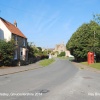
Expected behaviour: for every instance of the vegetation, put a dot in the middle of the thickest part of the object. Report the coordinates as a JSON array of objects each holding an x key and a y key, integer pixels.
[
  {"x": 46, "y": 62},
  {"x": 6, "y": 52},
  {"x": 86, "y": 38},
  {"x": 94, "y": 65},
  {"x": 36, "y": 53},
  {"x": 61, "y": 54}
]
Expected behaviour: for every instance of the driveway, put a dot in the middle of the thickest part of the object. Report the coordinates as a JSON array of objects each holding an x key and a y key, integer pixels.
[{"x": 59, "y": 81}]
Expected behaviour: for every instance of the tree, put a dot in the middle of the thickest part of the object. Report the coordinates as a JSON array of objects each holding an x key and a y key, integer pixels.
[
  {"x": 35, "y": 53},
  {"x": 30, "y": 50},
  {"x": 40, "y": 49},
  {"x": 83, "y": 40},
  {"x": 7, "y": 52},
  {"x": 96, "y": 18}
]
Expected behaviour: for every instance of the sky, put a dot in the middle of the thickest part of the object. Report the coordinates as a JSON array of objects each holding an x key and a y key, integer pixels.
[{"x": 46, "y": 23}]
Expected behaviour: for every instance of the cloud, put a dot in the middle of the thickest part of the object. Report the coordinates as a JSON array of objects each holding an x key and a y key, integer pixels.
[
  {"x": 51, "y": 21},
  {"x": 45, "y": 22}
]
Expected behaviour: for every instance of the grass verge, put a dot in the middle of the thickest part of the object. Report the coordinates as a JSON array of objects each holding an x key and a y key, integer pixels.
[
  {"x": 46, "y": 62},
  {"x": 94, "y": 65}
]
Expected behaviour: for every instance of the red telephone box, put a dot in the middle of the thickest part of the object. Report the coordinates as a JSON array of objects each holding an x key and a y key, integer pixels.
[{"x": 90, "y": 57}]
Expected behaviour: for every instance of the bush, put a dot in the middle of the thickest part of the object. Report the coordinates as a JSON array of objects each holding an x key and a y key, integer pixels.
[
  {"x": 6, "y": 52},
  {"x": 61, "y": 54},
  {"x": 44, "y": 57}
]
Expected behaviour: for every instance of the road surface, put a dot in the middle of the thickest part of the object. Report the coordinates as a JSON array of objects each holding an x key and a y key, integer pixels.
[{"x": 59, "y": 81}]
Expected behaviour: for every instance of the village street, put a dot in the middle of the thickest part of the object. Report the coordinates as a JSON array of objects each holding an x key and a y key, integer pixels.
[{"x": 59, "y": 81}]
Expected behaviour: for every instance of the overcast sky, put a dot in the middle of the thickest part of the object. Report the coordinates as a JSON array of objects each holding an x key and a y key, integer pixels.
[{"x": 49, "y": 22}]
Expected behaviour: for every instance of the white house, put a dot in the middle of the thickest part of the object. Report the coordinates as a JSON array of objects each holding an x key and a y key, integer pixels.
[{"x": 10, "y": 31}]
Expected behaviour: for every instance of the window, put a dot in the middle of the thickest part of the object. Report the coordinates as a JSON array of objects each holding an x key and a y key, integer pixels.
[
  {"x": 15, "y": 38},
  {"x": 23, "y": 42},
  {"x": 21, "y": 53},
  {"x": 15, "y": 54}
]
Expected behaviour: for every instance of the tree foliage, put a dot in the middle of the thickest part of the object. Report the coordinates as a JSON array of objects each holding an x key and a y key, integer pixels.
[
  {"x": 30, "y": 50},
  {"x": 96, "y": 18},
  {"x": 86, "y": 38},
  {"x": 36, "y": 53},
  {"x": 6, "y": 52}
]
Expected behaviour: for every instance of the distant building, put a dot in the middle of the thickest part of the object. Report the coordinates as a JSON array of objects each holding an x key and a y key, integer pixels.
[
  {"x": 61, "y": 48},
  {"x": 10, "y": 31}
]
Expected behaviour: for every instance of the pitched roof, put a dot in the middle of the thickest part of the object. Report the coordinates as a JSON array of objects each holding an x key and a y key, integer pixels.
[{"x": 12, "y": 28}]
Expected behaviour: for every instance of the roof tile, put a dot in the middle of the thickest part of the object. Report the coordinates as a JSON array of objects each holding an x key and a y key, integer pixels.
[{"x": 12, "y": 28}]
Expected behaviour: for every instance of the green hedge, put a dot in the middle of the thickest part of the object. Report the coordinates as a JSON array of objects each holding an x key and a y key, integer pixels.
[{"x": 61, "y": 54}]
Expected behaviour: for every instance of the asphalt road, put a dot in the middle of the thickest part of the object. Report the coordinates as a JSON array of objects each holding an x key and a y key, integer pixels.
[{"x": 59, "y": 81}]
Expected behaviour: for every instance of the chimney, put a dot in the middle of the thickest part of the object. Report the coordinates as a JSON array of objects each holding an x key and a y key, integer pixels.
[{"x": 15, "y": 23}]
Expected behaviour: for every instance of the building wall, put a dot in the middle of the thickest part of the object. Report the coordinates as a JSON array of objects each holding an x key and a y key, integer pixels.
[
  {"x": 23, "y": 53},
  {"x": 61, "y": 48},
  {"x": 67, "y": 53},
  {"x": 20, "y": 42},
  {"x": 4, "y": 32},
  {"x": 21, "y": 47}
]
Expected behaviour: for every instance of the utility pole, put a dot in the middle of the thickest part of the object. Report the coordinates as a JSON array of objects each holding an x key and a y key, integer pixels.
[{"x": 94, "y": 48}]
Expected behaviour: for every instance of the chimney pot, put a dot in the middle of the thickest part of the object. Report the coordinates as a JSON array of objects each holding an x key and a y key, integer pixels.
[{"x": 15, "y": 23}]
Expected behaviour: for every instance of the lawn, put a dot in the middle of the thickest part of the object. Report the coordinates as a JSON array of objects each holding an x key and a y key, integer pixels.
[
  {"x": 46, "y": 62},
  {"x": 94, "y": 65}
]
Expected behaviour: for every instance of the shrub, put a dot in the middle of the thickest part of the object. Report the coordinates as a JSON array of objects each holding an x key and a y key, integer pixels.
[
  {"x": 6, "y": 52},
  {"x": 61, "y": 54}
]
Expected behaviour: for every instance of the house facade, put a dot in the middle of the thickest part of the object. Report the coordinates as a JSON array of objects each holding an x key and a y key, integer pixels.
[
  {"x": 10, "y": 31},
  {"x": 61, "y": 48}
]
